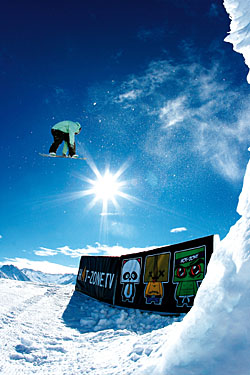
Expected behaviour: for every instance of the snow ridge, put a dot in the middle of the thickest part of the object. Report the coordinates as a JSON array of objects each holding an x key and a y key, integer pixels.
[
  {"x": 13, "y": 273},
  {"x": 239, "y": 36}
]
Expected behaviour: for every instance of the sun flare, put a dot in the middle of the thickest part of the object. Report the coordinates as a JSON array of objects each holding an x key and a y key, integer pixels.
[{"x": 106, "y": 188}]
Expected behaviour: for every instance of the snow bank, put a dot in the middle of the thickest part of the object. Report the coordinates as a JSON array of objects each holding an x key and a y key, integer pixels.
[
  {"x": 239, "y": 36},
  {"x": 243, "y": 208},
  {"x": 214, "y": 337},
  {"x": 89, "y": 315},
  {"x": 47, "y": 330}
]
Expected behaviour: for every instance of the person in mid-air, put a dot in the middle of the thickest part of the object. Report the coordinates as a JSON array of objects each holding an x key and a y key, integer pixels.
[{"x": 65, "y": 131}]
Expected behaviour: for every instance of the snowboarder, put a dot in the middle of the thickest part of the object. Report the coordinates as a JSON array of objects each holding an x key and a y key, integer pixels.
[{"x": 65, "y": 131}]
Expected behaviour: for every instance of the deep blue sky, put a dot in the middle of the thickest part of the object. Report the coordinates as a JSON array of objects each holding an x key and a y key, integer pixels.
[{"x": 155, "y": 87}]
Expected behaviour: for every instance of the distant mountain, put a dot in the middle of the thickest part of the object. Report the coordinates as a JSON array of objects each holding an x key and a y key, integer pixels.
[
  {"x": 13, "y": 273},
  {"x": 41, "y": 277}
]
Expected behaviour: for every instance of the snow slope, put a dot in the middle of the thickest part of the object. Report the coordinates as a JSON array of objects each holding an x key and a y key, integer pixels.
[
  {"x": 239, "y": 36},
  {"x": 50, "y": 329}
]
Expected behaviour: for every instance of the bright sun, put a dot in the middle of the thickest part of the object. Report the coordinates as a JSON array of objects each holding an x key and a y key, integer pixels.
[{"x": 106, "y": 188}]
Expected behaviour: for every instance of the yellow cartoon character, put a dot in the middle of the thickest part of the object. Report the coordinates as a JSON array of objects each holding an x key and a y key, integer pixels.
[
  {"x": 156, "y": 273},
  {"x": 81, "y": 274}
]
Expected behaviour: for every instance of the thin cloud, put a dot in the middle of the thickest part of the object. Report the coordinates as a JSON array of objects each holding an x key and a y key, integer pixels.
[
  {"x": 145, "y": 85},
  {"x": 43, "y": 266},
  {"x": 183, "y": 114},
  {"x": 203, "y": 115},
  {"x": 119, "y": 250},
  {"x": 44, "y": 252},
  {"x": 130, "y": 95},
  {"x": 54, "y": 268},
  {"x": 173, "y": 112},
  {"x": 65, "y": 250},
  {"x": 75, "y": 253},
  {"x": 98, "y": 249},
  {"x": 178, "y": 230}
]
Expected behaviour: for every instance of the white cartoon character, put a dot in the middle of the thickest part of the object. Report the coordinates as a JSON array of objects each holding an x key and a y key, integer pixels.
[{"x": 130, "y": 275}]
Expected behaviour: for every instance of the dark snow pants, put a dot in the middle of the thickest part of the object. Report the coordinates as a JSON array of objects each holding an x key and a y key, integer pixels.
[{"x": 59, "y": 137}]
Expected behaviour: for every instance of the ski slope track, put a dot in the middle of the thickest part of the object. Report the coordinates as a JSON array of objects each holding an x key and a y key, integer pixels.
[
  {"x": 30, "y": 325},
  {"x": 50, "y": 329}
]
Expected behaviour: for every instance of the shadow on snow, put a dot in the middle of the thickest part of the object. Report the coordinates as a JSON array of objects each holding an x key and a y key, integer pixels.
[{"x": 89, "y": 315}]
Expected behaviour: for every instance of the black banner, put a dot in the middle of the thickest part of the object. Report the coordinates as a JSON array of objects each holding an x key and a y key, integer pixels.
[
  {"x": 97, "y": 277},
  {"x": 164, "y": 279}
]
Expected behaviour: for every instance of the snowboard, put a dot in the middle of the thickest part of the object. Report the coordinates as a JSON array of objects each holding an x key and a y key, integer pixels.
[{"x": 60, "y": 156}]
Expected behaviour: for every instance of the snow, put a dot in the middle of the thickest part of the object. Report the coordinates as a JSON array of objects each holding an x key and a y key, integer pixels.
[
  {"x": 12, "y": 272},
  {"x": 41, "y": 277},
  {"x": 239, "y": 36},
  {"x": 51, "y": 329},
  {"x": 42, "y": 266}
]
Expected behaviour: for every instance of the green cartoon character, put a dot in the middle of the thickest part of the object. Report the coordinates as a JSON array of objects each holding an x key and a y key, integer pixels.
[{"x": 189, "y": 270}]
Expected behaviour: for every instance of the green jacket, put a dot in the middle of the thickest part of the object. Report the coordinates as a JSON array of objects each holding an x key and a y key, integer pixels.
[{"x": 69, "y": 127}]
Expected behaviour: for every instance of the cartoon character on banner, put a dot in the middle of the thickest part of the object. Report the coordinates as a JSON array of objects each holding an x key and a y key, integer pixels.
[
  {"x": 81, "y": 274},
  {"x": 156, "y": 273},
  {"x": 189, "y": 271},
  {"x": 130, "y": 276}
]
